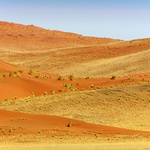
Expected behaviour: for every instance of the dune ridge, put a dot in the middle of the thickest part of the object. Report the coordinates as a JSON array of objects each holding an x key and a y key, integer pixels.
[{"x": 30, "y": 37}]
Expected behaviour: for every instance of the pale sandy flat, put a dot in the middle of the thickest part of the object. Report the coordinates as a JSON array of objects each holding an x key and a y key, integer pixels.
[{"x": 101, "y": 146}]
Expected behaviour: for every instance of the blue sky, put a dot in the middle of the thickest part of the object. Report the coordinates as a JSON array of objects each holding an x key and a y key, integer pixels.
[{"x": 121, "y": 19}]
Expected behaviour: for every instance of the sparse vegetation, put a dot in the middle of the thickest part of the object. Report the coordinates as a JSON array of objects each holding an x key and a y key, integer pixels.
[
  {"x": 60, "y": 78},
  {"x": 69, "y": 124},
  {"x": 71, "y": 77},
  {"x": 13, "y": 74},
  {"x": 31, "y": 72},
  {"x": 37, "y": 76},
  {"x": 113, "y": 77},
  {"x": 53, "y": 92},
  {"x": 69, "y": 87},
  {"x": 32, "y": 94},
  {"x": 17, "y": 74},
  {"x": 45, "y": 93},
  {"x": 4, "y": 75},
  {"x": 21, "y": 71},
  {"x": 143, "y": 79},
  {"x": 7, "y": 100}
]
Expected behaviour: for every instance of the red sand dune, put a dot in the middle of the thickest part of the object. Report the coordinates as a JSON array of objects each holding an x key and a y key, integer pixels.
[
  {"x": 5, "y": 67},
  {"x": 88, "y": 53},
  {"x": 14, "y": 123},
  {"x": 11, "y": 87},
  {"x": 24, "y": 85},
  {"x": 30, "y": 37}
]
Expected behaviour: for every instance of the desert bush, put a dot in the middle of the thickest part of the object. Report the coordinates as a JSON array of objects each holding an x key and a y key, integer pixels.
[
  {"x": 113, "y": 77},
  {"x": 45, "y": 93},
  {"x": 92, "y": 86},
  {"x": 21, "y": 71},
  {"x": 143, "y": 79},
  {"x": 52, "y": 92},
  {"x": 12, "y": 74},
  {"x": 31, "y": 72},
  {"x": 36, "y": 76},
  {"x": 17, "y": 74},
  {"x": 69, "y": 87},
  {"x": 7, "y": 100},
  {"x": 4, "y": 75},
  {"x": 71, "y": 77},
  {"x": 60, "y": 78},
  {"x": 32, "y": 94},
  {"x": 69, "y": 124}
]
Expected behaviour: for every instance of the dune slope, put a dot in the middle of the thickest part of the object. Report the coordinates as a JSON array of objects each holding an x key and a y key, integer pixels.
[
  {"x": 68, "y": 85},
  {"x": 13, "y": 123}
]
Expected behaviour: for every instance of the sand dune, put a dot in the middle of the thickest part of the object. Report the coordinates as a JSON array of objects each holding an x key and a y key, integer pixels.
[
  {"x": 14, "y": 37},
  {"x": 110, "y": 89},
  {"x": 15, "y": 84},
  {"x": 13, "y": 122},
  {"x": 71, "y": 60},
  {"x": 118, "y": 66},
  {"x": 125, "y": 106},
  {"x": 5, "y": 67}
]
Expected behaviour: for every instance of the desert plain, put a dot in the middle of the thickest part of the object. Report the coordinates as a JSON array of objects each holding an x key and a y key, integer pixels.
[{"x": 62, "y": 90}]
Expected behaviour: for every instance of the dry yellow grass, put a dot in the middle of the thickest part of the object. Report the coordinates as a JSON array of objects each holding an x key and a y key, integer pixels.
[
  {"x": 126, "y": 107},
  {"x": 96, "y": 146},
  {"x": 118, "y": 66},
  {"x": 56, "y": 61}
]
